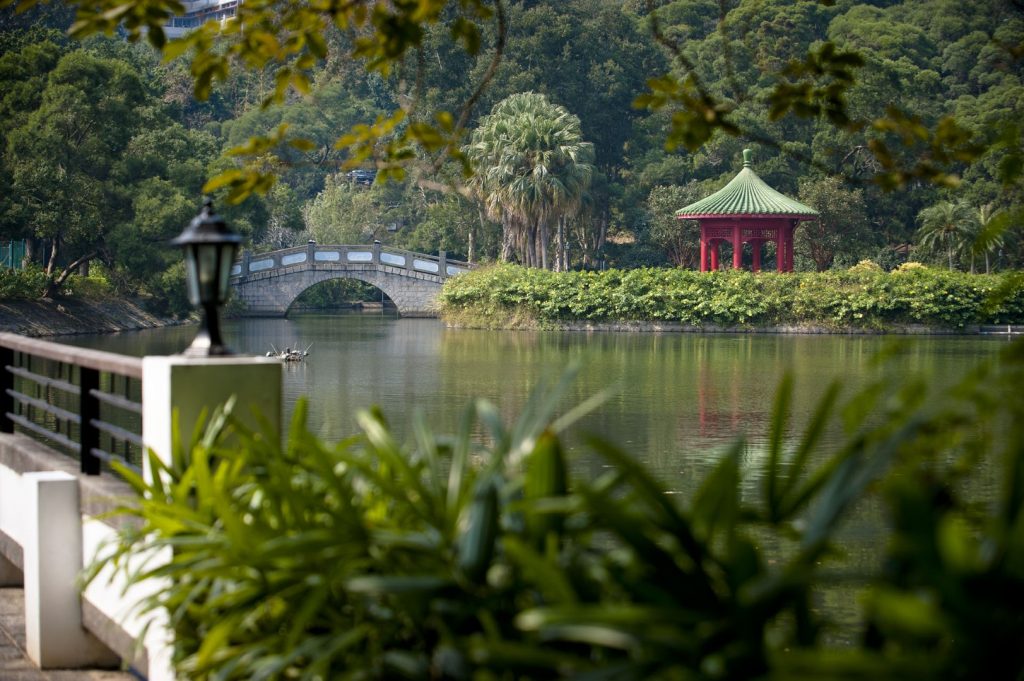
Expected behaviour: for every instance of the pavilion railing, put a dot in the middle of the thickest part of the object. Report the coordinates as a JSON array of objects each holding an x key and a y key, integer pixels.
[{"x": 84, "y": 402}]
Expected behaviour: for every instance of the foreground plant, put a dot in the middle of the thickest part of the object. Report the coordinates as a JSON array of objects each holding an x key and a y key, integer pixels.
[{"x": 451, "y": 559}]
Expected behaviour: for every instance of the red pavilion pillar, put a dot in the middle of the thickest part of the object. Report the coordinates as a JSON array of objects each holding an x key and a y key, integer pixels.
[
  {"x": 789, "y": 246},
  {"x": 737, "y": 248},
  {"x": 703, "y": 251},
  {"x": 780, "y": 249},
  {"x": 714, "y": 255},
  {"x": 755, "y": 247}
]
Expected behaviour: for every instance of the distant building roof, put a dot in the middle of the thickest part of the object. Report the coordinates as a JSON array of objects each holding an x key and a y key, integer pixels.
[{"x": 747, "y": 194}]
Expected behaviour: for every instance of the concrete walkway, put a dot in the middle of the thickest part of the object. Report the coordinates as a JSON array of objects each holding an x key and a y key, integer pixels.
[{"x": 14, "y": 663}]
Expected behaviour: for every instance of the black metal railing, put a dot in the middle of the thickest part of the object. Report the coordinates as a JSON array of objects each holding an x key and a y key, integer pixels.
[{"x": 85, "y": 402}]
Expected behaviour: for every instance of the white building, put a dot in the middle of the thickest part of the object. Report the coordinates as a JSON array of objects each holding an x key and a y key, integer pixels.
[{"x": 197, "y": 13}]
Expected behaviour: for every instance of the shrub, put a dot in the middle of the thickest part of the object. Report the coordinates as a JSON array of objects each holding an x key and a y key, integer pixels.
[
  {"x": 169, "y": 294},
  {"x": 450, "y": 559},
  {"x": 24, "y": 284},
  {"x": 95, "y": 287},
  {"x": 863, "y": 296},
  {"x": 866, "y": 266}
]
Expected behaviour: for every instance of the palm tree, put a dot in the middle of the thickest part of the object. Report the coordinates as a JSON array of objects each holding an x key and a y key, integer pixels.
[
  {"x": 985, "y": 238},
  {"x": 945, "y": 226},
  {"x": 532, "y": 169}
]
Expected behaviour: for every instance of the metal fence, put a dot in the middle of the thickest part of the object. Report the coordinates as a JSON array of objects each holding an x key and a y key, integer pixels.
[
  {"x": 12, "y": 253},
  {"x": 84, "y": 402}
]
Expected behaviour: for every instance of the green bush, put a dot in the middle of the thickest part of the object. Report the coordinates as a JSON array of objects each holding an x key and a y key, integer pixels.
[
  {"x": 481, "y": 556},
  {"x": 862, "y": 297},
  {"x": 94, "y": 287},
  {"x": 169, "y": 293},
  {"x": 24, "y": 284}
]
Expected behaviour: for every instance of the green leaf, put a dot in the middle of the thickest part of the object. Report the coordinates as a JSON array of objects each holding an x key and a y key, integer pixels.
[
  {"x": 396, "y": 584},
  {"x": 716, "y": 507},
  {"x": 780, "y": 416},
  {"x": 224, "y": 179}
]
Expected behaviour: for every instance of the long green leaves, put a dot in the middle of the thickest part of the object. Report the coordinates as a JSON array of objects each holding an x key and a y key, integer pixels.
[{"x": 454, "y": 558}]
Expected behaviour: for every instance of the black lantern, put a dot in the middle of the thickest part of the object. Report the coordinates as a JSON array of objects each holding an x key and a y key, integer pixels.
[{"x": 210, "y": 248}]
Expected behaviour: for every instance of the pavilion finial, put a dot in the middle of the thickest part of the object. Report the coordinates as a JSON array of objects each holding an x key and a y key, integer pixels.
[{"x": 747, "y": 155}]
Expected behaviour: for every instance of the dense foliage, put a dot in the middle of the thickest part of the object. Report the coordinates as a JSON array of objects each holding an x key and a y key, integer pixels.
[
  {"x": 456, "y": 558},
  {"x": 533, "y": 168},
  {"x": 24, "y": 284},
  {"x": 81, "y": 122},
  {"x": 863, "y": 296}
]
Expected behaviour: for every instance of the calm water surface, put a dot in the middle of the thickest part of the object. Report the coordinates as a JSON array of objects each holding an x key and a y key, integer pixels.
[{"x": 675, "y": 399}]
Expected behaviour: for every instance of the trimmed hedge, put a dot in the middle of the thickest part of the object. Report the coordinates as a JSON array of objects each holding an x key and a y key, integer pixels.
[{"x": 861, "y": 297}]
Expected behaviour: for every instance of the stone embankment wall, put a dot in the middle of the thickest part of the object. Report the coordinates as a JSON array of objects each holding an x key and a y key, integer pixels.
[{"x": 60, "y": 317}]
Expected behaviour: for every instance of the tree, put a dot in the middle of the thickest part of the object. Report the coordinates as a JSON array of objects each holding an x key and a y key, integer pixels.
[
  {"x": 285, "y": 218},
  {"x": 841, "y": 226},
  {"x": 63, "y": 159},
  {"x": 984, "y": 238},
  {"x": 449, "y": 224},
  {"x": 709, "y": 86},
  {"x": 344, "y": 214},
  {"x": 946, "y": 226},
  {"x": 781, "y": 76},
  {"x": 93, "y": 168},
  {"x": 680, "y": 239},
  {"x": 533, "y": 169}
]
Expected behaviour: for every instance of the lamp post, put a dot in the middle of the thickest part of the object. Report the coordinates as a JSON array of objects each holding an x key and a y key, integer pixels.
[{"x": 210, "y": 247}]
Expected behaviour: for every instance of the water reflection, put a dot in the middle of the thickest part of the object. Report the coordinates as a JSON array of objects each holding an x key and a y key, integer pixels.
[{"x": 676, "y": 399}]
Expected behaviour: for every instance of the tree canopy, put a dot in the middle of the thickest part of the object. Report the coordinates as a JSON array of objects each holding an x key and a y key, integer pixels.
[
  {"x": 273, "y": 107},
  {"x": 533, "y": 168}
]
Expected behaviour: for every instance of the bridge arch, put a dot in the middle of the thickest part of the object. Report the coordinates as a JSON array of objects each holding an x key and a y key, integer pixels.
[
  {"x": 268, "y": 283},
  {"x": 340, "y": 297}
]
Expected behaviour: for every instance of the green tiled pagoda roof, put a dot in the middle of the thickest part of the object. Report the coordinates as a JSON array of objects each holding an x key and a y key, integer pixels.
[{"x": 747, "y": 194}]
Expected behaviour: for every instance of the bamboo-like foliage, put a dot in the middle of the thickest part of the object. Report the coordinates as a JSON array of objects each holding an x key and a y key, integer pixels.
[{"x": 480, "y": 555}]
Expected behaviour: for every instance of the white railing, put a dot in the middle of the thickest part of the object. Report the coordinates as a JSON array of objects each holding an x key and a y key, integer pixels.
[
  {"x": 55, "y": 512},
  {"x": 313, "y": 255}
]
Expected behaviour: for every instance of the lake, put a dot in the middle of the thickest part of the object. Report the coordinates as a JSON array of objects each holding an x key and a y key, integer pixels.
[{"x": 674, "y": 400}]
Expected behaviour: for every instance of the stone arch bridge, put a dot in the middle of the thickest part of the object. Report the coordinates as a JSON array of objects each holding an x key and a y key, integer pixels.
[{"x": 268, "y": 283}]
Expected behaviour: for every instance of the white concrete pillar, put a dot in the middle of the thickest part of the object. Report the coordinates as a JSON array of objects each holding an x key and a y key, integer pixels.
[
  {"x": 52, "y": 549},
  {"x": 187, "y": 385}
]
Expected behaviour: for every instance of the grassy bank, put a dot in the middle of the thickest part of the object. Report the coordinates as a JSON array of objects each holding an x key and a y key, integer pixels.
[{"x": 863, "y": 297}]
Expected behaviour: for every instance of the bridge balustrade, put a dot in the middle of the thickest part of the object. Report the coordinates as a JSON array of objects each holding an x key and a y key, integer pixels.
[{"x": 372, "y": 254}]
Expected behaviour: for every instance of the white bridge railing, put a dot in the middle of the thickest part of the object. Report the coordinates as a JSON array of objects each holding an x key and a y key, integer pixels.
[
  {"x": 312, "y": 254},
  {"x": 64, "y": 411}
]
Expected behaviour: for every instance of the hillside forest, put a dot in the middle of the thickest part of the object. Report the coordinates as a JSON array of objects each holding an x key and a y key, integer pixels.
[{"x": 106, "y": 148}]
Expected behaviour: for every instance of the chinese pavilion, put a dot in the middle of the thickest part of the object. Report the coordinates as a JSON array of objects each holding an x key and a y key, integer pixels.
[{"x": 747, "y": 211}]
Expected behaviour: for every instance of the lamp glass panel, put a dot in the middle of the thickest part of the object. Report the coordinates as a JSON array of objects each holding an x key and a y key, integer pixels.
[
  {"x": 227, "y": 259},
  {"x": 207, "y": 260},
  {"x": 192, "y": 274}
]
